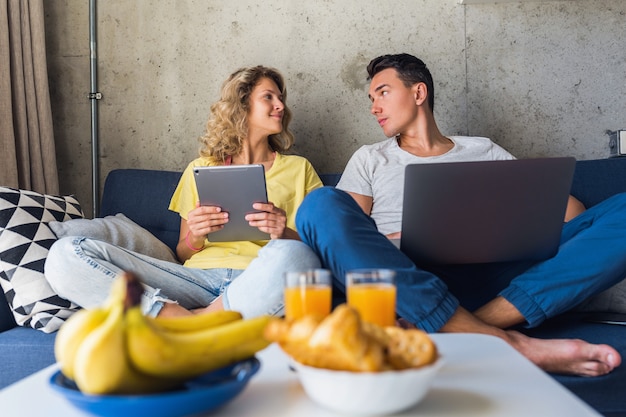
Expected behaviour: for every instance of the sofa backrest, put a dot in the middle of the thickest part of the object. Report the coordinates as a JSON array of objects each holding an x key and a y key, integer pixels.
[
  {"x": 144, "y": 197},
  {"x": 596, "y": 180}
]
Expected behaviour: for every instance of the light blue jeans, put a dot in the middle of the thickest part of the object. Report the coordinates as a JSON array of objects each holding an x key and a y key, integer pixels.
[{"x": 81, "y": 270}]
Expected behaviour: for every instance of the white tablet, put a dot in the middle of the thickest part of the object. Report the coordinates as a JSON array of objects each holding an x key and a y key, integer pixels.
[{"x": 234, "y": 188}]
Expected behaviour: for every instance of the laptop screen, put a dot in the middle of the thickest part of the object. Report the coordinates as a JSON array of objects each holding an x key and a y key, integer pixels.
[{"x": 485, "y": 211}]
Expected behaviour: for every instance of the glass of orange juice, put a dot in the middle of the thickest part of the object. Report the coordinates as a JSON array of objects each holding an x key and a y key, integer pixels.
[
  {"x": 307, "y": 292},
  {"x": 372, "y": 292}
]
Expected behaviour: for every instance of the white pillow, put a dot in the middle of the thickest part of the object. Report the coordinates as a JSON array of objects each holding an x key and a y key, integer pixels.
[{"x": 118, "y": 230}]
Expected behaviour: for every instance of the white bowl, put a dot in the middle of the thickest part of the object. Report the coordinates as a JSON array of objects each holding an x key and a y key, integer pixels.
[{"x": 367, "y": 393}]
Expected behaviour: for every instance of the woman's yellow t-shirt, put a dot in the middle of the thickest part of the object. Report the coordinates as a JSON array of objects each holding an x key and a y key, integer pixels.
[{"x": 288, "y": 181}]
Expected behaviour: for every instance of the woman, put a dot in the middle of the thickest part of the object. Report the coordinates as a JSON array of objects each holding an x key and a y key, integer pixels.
[{"x": 248, "y": 125}]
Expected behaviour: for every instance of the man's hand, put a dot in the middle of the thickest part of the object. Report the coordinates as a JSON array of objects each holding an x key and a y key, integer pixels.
[{"x": 394, "y": 235}]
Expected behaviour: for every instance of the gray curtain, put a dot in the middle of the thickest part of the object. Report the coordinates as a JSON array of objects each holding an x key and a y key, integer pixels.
[{"x": 27, "y": 151}]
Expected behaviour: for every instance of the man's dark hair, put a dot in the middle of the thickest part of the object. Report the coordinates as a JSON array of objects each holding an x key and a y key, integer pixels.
[{"x": 411, "y": 70}]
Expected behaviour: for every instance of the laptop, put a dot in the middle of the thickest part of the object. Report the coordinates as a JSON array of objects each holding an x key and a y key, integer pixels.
[{"x": 485, "y": 211}]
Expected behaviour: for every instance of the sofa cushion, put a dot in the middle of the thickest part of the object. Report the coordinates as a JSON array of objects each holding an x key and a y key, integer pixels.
[
  {"x": 25, "y": 239},
  {"x": 604, "y": 393},
  {"x": 118, "y": 230},
  {"x": 24, "y": 351}
]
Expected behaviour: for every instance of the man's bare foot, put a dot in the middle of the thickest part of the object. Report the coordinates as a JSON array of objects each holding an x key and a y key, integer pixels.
[{"x": 566, "y": 356}]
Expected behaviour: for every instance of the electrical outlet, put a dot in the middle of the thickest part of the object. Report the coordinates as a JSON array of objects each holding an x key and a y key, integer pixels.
[{"x": 617, "y": 143}]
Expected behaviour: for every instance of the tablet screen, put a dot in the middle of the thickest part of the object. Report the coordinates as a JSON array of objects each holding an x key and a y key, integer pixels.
[{"x": 234, "y": 188}]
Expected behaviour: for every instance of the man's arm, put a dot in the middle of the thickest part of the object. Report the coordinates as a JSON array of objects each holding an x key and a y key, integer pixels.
[
  {"x": 364, "y": 201},
  {"x": 574, "y": 208}
]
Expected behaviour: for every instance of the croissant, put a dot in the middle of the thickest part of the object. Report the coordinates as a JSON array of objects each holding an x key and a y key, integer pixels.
[
  {"x": 336, "y": 342},
  {"x": 341, "y": 341}
]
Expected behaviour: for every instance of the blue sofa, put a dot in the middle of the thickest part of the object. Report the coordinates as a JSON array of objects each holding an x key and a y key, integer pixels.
[{"x": 143, "y": 196}]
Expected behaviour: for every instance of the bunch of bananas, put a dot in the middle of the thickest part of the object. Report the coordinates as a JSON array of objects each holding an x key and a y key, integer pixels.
[{"x": 116, "y": 349}]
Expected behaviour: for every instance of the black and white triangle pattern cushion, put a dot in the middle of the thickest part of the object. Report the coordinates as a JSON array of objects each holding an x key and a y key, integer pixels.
[{"x": 25, "y": 239}]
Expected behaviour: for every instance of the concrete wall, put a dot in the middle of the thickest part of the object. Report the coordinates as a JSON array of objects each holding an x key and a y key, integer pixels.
[{"x": 539, "y": 78}]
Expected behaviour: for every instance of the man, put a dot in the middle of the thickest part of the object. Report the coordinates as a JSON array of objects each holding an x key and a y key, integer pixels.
[{"x": 350, "y": 229}]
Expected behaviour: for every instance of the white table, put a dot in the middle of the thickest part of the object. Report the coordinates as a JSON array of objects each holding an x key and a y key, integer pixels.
[{"x": 483, "y": 376}]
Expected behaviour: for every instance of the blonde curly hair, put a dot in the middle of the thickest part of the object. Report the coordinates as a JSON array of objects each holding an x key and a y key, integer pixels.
[{"x": 228, "y": 123}]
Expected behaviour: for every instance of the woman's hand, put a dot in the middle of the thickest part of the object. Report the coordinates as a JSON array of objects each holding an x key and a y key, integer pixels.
[
  {"x": 200, "y": 222},
  {"x": 204, "y": 220},
  {"x": 271, "y": 219}
]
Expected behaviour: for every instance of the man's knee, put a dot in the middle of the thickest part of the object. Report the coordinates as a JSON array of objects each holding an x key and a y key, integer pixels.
[
  {"x": 318, "y": 204},
  {"x": 620, "y": 199},
  {"x": 613, "y": 207},
  {"x": 318, "y": 197}
]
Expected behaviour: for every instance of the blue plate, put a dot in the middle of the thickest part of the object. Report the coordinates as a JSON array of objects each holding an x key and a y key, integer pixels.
[{"x": 202, "y": 394}]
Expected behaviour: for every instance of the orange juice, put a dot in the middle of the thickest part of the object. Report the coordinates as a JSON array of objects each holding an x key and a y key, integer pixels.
[
  {"x": 307, "y": 299},
  {"x": 376, "y": 303}
]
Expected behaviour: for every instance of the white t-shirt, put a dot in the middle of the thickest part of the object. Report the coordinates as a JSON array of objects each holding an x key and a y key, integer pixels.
[{"x": 377, "y": 171}]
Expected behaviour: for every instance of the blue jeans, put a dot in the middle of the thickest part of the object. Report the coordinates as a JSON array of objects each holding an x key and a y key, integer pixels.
[
  {"x": 591, "y": 258},
  {"x": 81, "y": 270}
]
